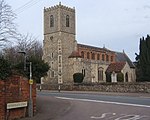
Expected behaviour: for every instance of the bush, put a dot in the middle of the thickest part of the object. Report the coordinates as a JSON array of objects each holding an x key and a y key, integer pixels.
[
  {"x": 78, "y": 77},
  {"x": 5, "y": 69},
  {"x": 39, "y": 69},
  {"x": 120, "y": 77}
]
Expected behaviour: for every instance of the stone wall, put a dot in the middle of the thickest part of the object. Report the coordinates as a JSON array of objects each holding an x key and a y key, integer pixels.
[
  {"x": 15, "y": 89},
  {"x": 102, "y": 87}
]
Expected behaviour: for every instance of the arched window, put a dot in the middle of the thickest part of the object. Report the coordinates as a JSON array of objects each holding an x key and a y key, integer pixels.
[
  {"x": 126, "y": 77},
  {"x": 59, "y": 58},
  {"x": 100, "y": 74},
  {"x": 67, "y": 21},
  {"x": 107, "y": 58},
  {"x": 93, "y": 56},
  {"x": 103, "y": 57},
  {"x": 82, "y": 54},
  {"x": 83, "y": 72},
  {"x": 52, "y": 55},
  {"x": 51, "y": 21},
  {"x": 88, "y": 55},
  {"x": 111, "y": 58},
  {"x": 52, "y": 64},
  {"x": 52, "y": 74},
  {"x": 98, "y": 57}
]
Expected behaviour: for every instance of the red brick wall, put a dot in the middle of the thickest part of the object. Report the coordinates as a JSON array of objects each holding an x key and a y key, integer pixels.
[
  {"x": 2, "y": 99},
  {"x": 15, "y": 89},
  {"x": 96, "y": 51}
]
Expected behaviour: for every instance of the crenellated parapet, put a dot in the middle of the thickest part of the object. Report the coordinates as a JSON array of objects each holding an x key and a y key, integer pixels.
[{"x": 59, "y": 6}]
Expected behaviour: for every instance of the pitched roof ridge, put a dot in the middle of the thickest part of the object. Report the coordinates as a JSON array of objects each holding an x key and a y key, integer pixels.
[
  {"x": 116, "y": 67},
  {"x": 129, "y": 59},
  {"x": 94, "y": 47},
  {"x": 122, "y": 56}
]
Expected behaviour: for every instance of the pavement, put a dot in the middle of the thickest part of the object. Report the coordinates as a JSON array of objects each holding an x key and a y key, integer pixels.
[{"x": 50, "y": 108}]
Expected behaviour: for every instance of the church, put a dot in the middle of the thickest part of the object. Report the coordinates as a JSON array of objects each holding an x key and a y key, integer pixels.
[{"x": 66, "y": 56}]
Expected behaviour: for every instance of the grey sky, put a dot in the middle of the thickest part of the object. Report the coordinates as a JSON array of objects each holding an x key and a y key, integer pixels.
[{"x": 117, "y": 24}]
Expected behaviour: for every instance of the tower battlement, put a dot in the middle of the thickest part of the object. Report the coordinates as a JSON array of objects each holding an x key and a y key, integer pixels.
[{"x": 59, "y": 6}]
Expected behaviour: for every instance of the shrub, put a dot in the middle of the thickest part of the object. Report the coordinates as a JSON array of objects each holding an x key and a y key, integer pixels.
[
  {"x": 5, "y": 69},
  {"x": 120, "y": 77},
  {"x": 78, "y": 77}
]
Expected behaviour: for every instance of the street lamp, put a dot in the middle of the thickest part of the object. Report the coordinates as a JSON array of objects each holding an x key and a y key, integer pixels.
[
  {"x": 30, "y": 109},
  {"x": 30, "y": 95}
]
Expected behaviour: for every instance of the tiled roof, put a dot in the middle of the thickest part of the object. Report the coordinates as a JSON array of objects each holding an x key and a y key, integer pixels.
[
  {"x": 94, "y": 48},
  {"x": 116, "y": 67},
  {"x": 122, "y": 57},
  {"x": 75, "y": 54}
]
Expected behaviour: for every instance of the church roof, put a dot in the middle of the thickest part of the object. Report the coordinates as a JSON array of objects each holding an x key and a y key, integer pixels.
[
  {"x": 94, "y": 48},
  {"x": 115, "y": 67},
  {"x": 122, "y": 57},
  {"x": 75, "y": 54}
]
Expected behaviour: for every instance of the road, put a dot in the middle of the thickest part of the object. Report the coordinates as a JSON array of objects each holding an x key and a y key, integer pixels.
[
  {"x": 94, "y": 106},
  {"x": 52, "y": 105}
]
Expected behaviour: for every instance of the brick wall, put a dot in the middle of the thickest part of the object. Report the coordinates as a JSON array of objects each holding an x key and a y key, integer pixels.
[
  {"x": 15, "y": 89},
  {"x": 93, "y": 52},
  {"x": 2, "y": 99}
]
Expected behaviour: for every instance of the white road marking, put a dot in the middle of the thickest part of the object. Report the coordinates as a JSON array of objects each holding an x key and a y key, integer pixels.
[
  {"x": 123, "y": 117},
  {"x": 107, "y": 102},
  {"x": 103, "y": 115},
  {"x": 130, "y": 117}
]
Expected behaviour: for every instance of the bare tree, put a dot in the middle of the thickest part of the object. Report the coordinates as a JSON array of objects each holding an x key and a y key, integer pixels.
[
  {"x": 7, "y": 25},
  {"x": 29, "y": 45},
  {"x": 11, "y": 55},
  {"x": 26, "y": 44},
  {"x": 36, "y": 50}
]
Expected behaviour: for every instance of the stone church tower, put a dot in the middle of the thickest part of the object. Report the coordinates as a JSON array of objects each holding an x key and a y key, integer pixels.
[
  {"x": 59, "y": 41},
  {"x": 66, "y": 57}
]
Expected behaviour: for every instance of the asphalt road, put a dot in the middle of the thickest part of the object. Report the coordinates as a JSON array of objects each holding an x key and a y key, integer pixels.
[
  {"x": 120, "y": 98},
  {"x": 92, "y": 106}
]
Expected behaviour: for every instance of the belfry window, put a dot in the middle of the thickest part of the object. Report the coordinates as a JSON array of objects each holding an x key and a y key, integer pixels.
[
  {"x": 51, "y": 21},
  {"x": 67, "y": 21}
]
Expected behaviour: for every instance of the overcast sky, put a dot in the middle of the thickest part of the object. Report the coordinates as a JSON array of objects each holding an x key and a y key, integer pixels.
[{"x": 117, "y": 24}]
